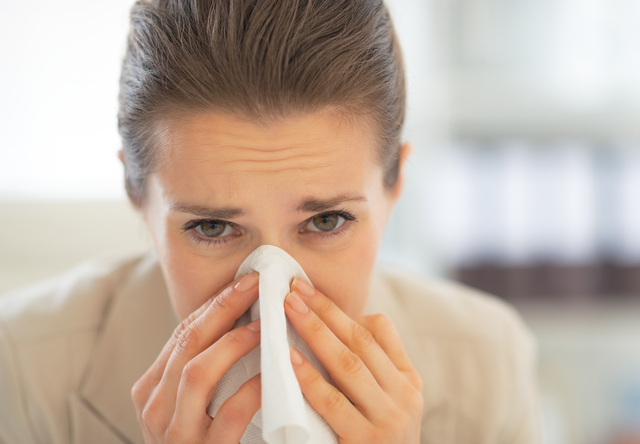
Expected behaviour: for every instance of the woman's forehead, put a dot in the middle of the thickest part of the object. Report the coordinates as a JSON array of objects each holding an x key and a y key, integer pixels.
[
  {"x": 221, "y": 155},
  {"x": 224, "y": 144},
  {"x": 321, "y": 132}
]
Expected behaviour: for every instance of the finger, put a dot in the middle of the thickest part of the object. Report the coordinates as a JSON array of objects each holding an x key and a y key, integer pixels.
[
  {"x": 213, "y": 322},
  {"x": 345, "y": 367},
  {"x": 388, "y": 338},
  {"x": 202, "y": 374},
  {"x": 236, "y": 413},
  {"x": 354, "y": 335},
  {"x": 328, "y": 401},
  {"x": 143, "y": 388}
]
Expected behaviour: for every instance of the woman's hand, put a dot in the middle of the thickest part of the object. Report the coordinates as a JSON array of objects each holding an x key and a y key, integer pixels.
[
  {"x": 171, "y": 398},
  {"x": 380, "y": 393}
]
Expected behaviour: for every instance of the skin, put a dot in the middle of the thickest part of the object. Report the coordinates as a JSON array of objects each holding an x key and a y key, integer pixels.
[{"x": 271, "y": 178}]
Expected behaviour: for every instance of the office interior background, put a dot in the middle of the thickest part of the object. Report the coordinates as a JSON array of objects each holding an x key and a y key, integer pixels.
[{"x": 524, "y": 180}]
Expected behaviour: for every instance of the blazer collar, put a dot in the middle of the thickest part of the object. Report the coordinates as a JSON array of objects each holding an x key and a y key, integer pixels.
[{"x": 138, "y": 323}]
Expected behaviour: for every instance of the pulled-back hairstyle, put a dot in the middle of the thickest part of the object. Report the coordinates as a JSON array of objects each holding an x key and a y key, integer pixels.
[{"x": 259, "y": 59}]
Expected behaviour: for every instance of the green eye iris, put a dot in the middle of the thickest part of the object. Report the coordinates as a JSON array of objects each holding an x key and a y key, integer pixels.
[
  {"x": 212, "y": 228},
  {"x": 326, "y": 222}
]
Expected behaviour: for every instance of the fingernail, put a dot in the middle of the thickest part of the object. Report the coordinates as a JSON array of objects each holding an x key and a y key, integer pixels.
[
  {"x": 303, "y": 287},
  {"x": 296, "y": 303},
  {"x": 254, "y": 326},
  {"x": 247, "y": 282},
  {"x": 296, "y": 356}
]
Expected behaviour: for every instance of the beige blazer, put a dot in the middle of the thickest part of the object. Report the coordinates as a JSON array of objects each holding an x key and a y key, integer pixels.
[{"x": 71, "y": 348}]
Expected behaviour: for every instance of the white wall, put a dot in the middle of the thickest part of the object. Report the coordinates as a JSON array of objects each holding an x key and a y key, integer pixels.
[{"x": 58, "y": 90}]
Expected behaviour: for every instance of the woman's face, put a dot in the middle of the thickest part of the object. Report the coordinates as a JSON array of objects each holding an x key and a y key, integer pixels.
[{"x": 309, "y": 185}]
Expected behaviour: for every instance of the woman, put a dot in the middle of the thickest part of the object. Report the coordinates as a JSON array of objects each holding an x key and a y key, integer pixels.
[{"x": 246, "y": 123}]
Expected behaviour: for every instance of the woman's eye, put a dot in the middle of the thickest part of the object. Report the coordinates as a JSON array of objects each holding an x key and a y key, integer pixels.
[
  {"x": 325, "y": 222},
  {"x": 213, "y": 228}
]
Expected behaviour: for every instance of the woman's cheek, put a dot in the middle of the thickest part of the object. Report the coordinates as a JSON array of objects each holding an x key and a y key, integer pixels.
[
  {"x": 193, "y": 278},
  {"x": 345, "y": 275}
]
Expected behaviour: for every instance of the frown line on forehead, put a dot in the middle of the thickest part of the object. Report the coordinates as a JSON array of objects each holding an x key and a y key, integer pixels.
[
  {"x": 307, "y": 206},
  {"x": 318, "y": 205}
]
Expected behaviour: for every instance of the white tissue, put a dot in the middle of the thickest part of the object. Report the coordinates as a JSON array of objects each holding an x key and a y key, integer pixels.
[{"x": 286, "y": 417}]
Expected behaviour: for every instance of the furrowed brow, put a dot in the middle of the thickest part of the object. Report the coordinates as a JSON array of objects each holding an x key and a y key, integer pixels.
[
  {"x": 318, "y": 205},
  {"x": 209, "y": 212}
]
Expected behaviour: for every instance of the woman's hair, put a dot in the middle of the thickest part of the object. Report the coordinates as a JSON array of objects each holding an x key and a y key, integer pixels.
[{"x": 259, "y": 59}]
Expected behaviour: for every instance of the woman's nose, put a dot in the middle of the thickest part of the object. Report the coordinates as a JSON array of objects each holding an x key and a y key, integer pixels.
[{"x": 276, "y": 239}]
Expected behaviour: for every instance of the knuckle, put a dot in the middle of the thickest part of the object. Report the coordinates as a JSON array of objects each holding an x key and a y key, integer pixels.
[
  {"x": 413, "y": 397},
  {"x": 177, "y": 433},
  {"x": 173, "y": 434},
  {"x": 349, "y": 362},
  {"x": 139, "y": 394},
  {"x": 361, "y": 337},
  {"x": 233, "y": 337},
  {"x": 334, "y": 400},
  {"x": 189, "y": 339},
  {"x": 254, "y": 386},
  {"x": 397, "y": 417},
  {"x": 317, "y": 327},
  {"x": 315, "y": 381},
  {"x": 325, "y": 306},
  {"x": 151, "y": 418},
  {"x": 221, "y": 301},
  {"x": 380, "y": 322},
  {"x": 233, "y": 413},
  {"x": 194, "y": 374},
  {"x": 181, "y": 327}
]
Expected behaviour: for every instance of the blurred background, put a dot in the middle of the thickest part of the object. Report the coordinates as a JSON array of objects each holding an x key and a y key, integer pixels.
[{"x": 524, "y": 181}]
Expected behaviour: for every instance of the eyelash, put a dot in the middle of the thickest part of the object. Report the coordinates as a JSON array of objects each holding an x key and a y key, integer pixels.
[{"x": 350, "y": 220}]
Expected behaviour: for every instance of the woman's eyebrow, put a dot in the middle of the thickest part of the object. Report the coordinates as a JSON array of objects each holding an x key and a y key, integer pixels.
[
  {"x": 317, "y": 205},
  {"x": 209, "y": 212},
  {"x": 308, "y": 206}
]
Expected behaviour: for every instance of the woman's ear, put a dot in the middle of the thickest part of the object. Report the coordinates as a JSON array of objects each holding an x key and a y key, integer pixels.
[
  {"x": 396, "y": 190},
  {"x": 121, "y": 156}
]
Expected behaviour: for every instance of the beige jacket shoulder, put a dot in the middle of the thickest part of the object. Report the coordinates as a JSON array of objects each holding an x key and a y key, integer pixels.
[{"x": 71, "y": 348}]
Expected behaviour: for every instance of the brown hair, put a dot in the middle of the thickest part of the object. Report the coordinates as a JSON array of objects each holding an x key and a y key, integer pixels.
[{"x": 258, "y": 58}]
